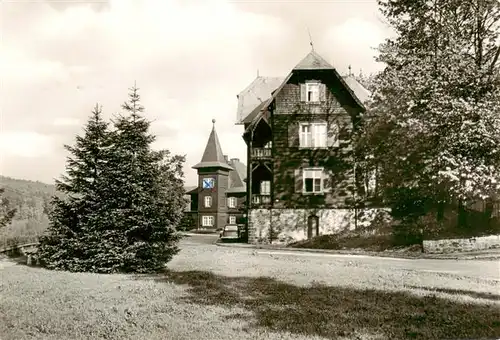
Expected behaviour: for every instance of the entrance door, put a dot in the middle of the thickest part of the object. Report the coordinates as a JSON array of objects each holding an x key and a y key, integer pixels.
[{"x": 312, "y": 226}]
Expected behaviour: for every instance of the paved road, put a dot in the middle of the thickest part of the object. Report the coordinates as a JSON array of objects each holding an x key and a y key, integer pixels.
[{"x": 199, "y": 253}]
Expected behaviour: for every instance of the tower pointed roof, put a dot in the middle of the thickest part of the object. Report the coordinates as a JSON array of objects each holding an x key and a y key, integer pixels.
[
  {"x": 313, "y": 61},
  {"x": 213, "y": 156}
]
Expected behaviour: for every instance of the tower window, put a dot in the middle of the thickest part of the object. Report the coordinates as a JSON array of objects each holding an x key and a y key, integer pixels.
[
  {"x": 208, "y": 201},
  {"x": 231, "y": 202},
  {"x": 207, "y": 221}
]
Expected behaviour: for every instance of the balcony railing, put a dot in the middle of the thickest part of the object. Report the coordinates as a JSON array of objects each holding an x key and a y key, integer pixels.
[
  {"x": 261, "y": 153},
  {"x": 261, "y": 199}
]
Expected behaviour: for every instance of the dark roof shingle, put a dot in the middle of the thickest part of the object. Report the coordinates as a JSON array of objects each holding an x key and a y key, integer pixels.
[
  {"x": 254, "y": 95},
  {"x": 313, "y": 61},
  {"x": 213, "y": 156},
  {"x": 237, "y": 176}
]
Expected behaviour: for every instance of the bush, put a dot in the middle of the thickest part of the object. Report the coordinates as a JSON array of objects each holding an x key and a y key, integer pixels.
[
  {"x": 408, "y": 204},
  {"x": 187, "y": 223}
]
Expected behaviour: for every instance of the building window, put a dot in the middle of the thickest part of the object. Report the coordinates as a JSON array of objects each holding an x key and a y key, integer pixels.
[
  {"x": 313, "y": 180},
  {"x": 231, "y": 202},
  {"x": 312, "y": 92},
  {"x": 207, "y": 221},
  {"x": 232, "y": 219},
  {"x": 312, "y": 135},
  {"x": 208, "y": 201},
  {"x": 265, "y": 187}
]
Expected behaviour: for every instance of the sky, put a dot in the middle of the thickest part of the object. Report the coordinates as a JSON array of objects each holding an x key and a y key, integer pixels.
[{"x": 189, "y": 59}]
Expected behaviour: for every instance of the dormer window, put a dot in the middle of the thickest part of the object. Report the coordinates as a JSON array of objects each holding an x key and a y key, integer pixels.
[{"x": 312, "y": 92}]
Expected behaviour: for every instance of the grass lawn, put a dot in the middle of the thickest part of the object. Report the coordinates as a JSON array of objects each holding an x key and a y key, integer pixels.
[{"x": 40, "y": 304}]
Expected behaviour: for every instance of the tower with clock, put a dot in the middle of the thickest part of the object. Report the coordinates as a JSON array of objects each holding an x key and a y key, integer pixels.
[{"x": 213, "y": 181}]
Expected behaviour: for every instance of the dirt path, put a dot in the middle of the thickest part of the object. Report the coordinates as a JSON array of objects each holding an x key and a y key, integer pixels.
[{"x": 450, "y": 276}]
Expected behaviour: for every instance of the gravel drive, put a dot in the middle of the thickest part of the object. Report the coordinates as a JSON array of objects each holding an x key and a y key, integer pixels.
[{"x": 419, "y": 275}]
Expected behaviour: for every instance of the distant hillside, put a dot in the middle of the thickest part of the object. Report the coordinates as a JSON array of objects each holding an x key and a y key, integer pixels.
[
  {"x": 32, "y": 203},
  {"x": 31, "y": 199}
]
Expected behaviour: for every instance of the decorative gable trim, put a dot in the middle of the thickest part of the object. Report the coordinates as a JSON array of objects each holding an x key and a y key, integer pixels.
[{"x": 265, "y": 106}]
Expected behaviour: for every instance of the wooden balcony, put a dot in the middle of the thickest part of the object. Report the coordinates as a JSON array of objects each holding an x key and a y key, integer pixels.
[
  {"x": 261, "y": 153},
  {"x": 261, "y": 199}
]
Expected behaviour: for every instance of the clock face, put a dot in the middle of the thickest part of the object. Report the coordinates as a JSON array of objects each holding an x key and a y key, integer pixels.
[{"x": 208, "y": 183}]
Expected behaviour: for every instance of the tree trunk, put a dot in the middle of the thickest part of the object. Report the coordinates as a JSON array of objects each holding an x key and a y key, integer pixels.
[
  {"x": 440, "y": 211},
  {"x": 462, "y": 214},
  {"x": 488, "y": 211}
]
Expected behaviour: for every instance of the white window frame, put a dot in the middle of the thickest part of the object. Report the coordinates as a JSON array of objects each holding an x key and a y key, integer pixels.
[
  {"x": 313, "y": 135},
  {"x": 232, "y": 219},
  {"x": 314, "y": 174},
  {"x": 207, "y": 201},
  {"x": 207, "y": 221},
  {"x": 265, "y": 188},
  {"x": 305, "y": 135},
  {"x": 312, "y": 92},
  {"x": 231, "y": 202}
]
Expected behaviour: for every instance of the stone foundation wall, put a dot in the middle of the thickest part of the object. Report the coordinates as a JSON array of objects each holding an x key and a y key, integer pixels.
[
  {"x": 290, "y": 225},
  {"x": 461, "y": 245}
]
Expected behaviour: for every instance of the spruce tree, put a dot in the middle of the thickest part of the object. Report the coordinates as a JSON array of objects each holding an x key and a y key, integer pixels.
[
  {"x": 122, "y": 200},
  {"x": 147, "y": 187},
  {"x": 66, "y": 243}
]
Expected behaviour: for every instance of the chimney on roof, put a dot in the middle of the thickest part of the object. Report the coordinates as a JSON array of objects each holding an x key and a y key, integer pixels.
[
  {"x": 226, "y": 159},
  {"x": 233, "y": 160}
]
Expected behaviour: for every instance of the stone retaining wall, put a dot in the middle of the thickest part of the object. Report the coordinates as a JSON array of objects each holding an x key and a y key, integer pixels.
[
  {"x": 461, "y": 245},
  {"x": 290, "y": 225}
]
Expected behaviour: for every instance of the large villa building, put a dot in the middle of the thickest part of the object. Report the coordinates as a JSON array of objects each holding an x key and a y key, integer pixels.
[{"x": 299, "y": 179}]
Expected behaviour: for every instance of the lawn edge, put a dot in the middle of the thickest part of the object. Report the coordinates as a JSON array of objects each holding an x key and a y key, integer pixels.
[{"x": 493, "y": 254}]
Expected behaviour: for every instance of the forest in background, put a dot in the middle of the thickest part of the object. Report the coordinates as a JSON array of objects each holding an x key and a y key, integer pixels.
[{"x": 32, "y": 203}]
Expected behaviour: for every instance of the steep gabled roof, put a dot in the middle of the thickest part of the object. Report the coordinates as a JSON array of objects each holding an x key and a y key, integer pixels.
[
  {"x": 255, "y": 94},
  {"x": 213, "y": 156},
  {"x": 250, "y": 117},
  {"x": 190, "y": 188},
  {"x": 234, "y": 179},
  {"x": 261, "y": 114},
  {"x": 237, "y": 177},
  {"x": 313, "y": 61},
  {"x": 361, "y": 92}
]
